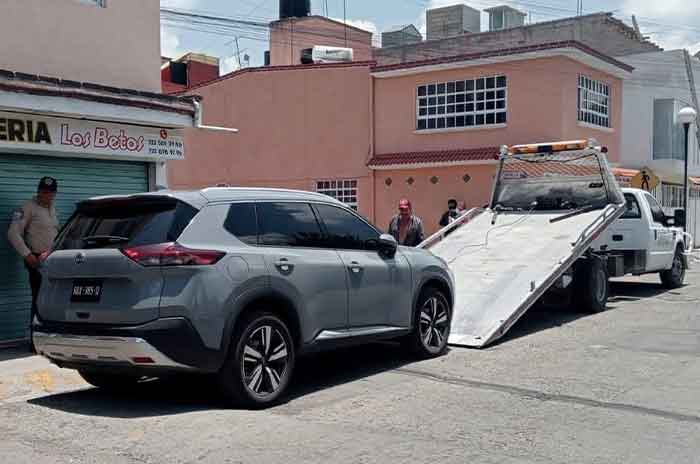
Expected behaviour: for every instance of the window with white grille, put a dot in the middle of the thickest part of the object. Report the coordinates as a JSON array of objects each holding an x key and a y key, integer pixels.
[
  {"x": 343, "y": 190},
  {"x": 458, "y": 104},
  {"x": 593, "y": 102}
]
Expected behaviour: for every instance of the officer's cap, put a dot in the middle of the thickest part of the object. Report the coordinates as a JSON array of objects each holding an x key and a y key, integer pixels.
[{"x": 48, "y": 184}]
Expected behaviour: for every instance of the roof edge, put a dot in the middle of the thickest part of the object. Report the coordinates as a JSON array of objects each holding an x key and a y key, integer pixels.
[
  {"x": 323, "y": 18},
  {"x": 506, "y": 52},
  {"x": 295, "y": 67}
]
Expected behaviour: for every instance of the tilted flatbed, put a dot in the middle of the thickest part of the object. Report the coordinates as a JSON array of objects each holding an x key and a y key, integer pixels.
[{"x": 549, "y": 203}]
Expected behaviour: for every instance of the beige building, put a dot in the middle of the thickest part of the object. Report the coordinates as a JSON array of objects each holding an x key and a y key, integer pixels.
[
  {"x": 80, "y": 101},
  {"x": 110, "y": 42}
]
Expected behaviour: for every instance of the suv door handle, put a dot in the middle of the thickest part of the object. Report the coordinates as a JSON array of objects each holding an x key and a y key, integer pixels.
[
  {"x": 355, "y": 267},
  {"x": 284, "y": 265}
]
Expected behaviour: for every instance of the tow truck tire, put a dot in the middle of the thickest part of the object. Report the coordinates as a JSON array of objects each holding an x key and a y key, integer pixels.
[
  {"x": 591, "y": 287},
  {"x": 674, "y": 277}
]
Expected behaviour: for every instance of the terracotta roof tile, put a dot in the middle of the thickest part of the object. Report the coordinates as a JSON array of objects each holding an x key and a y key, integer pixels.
[{"x": 435, "y": 157}]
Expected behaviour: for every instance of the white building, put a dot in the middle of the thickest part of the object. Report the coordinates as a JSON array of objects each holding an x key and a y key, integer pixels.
[{"x": 652, "y": 136}]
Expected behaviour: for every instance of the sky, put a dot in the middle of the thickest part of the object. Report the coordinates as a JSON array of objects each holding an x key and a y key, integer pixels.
[{"x": 672, "y": 24}]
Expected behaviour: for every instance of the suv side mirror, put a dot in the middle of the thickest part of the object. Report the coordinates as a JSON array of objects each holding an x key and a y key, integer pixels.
[
  {"x": 387, "y": 245},
  {"x": 679, "y": 218}
]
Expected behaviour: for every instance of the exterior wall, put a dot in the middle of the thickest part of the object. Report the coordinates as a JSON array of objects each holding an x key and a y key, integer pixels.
[
  {"x": 198, "y": 73},
  {"x": 660, "y": 75},
  {"x": 429, "y": 200},
  {"x": 289, "y": 37},
  {"x": 402, "y": 37},
  {"x": 116, "y": 46},
  {"x": 451, "y": 21},
  {"x": 599, "y": 31},
  {"x": 296, "y": 126},
  {"x": 542, "y": 106}
]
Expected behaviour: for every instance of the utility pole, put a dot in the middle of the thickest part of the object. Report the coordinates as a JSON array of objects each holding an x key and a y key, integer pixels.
[
  {"x": 345, "y": 21},
  {"x": 637, "y": 31},
  {"x": 238, "y": 54}
]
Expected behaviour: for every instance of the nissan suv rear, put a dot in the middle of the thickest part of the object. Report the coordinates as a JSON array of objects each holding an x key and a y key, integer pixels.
[{"x": 236, "y": 282}]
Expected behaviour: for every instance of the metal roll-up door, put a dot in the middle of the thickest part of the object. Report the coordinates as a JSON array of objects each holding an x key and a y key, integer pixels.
[{"x": 78, "y": 179}]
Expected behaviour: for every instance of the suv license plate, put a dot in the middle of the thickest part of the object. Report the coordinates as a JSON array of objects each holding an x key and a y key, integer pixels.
[{"x": 86, "y": 290}]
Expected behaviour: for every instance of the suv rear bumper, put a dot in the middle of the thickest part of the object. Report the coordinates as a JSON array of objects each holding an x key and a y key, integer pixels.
[
  {"x": 163, "y": 344},
  {"x": 102, "y": 349}
]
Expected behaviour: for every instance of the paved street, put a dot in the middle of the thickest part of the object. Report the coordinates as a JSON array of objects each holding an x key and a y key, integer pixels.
[{"x": 621, "y": 386}]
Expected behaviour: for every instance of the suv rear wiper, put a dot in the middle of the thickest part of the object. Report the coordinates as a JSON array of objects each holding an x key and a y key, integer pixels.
[
  {"x": 105, "y": 238},
  {"x": 576, "y": 212}
]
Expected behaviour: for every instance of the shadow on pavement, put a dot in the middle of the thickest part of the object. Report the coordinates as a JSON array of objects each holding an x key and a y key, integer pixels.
[
  {"x": 15, "y": 352},
  {"x": 540, "y": 318},
  {"x": 325, "y": 370},
  {"x": 634, "y": 291},
  {"x": 184, "y": 394},
  {"x": 174, "y": 395}
]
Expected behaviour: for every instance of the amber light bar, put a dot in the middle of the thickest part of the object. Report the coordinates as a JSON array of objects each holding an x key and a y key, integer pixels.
[{"x": 549, "y": 147}]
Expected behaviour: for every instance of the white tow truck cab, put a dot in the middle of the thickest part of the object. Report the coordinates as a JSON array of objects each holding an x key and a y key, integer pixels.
[
  {"x": 644, "y": 241},
  {"x": 533, "y": 242}
]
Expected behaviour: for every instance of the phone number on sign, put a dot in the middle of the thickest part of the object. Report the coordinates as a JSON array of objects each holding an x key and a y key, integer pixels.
[{"x": 167, "y": 148}]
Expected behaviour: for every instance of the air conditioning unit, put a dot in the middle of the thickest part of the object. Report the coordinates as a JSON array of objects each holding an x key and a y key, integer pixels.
[{"x": 321, "y": 54}]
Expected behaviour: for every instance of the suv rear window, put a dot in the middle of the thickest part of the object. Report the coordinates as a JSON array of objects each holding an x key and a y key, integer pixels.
[{"x": 118, "y": 223}]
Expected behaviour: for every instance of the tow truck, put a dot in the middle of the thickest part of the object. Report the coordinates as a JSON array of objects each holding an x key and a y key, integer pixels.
[
  {"x": 645, "y": 241},
  {"x": 549, "y": 203}
]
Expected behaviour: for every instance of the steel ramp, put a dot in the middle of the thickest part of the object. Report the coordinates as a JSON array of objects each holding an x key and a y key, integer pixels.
[{"x": 502, "y": 269}]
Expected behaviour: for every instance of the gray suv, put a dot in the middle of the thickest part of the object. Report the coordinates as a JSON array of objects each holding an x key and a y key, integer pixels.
[{"x": 236, "y": 282}]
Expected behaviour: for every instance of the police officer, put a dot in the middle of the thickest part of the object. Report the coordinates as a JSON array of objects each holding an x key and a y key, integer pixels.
[{"x": 32, "y": 231}]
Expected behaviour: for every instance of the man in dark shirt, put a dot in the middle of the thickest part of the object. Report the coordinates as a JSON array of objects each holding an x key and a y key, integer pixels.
[
  {"x": 406, "y": 228},
  {"x": 451, "y": 214}
]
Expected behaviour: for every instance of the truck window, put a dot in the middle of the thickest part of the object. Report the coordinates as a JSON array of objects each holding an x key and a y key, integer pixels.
[
  {"x": 632, "y": 210},
  {"x": 657, "y": 213}
]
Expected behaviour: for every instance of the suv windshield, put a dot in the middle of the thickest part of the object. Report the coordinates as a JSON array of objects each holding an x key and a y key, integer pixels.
[{"x": 118, "y": 223}]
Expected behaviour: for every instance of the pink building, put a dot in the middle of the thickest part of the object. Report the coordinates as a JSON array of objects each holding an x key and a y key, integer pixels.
[
  {"x": 426, "y": 130},
  {"x": 289, "y": 36}
]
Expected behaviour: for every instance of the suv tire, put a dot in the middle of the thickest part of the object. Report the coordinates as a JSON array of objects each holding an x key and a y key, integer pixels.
[
  {"x": 674, "y": 277},
  {"x": 591, "y": 286},
  {"x": 431, "y": 324},
  {"x": 260, "y": 361}
]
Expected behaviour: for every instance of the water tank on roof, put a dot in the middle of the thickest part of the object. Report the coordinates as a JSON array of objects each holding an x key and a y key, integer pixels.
[{"x": 294, "y": 8}]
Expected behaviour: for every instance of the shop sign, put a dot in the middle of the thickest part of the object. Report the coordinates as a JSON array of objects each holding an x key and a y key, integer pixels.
[{"x": 40, "y": 133}]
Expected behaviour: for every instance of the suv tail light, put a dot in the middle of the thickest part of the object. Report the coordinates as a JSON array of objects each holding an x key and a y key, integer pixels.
[{"x": 171, "y": 254}]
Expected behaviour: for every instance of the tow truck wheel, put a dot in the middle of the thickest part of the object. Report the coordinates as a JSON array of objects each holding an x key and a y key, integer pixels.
[
  {"x": 674, "y": 277},
  {"x": 591, "y": 286}
]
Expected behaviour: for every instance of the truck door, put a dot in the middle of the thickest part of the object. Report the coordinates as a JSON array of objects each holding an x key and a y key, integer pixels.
[{"x": 660, "y": 252}]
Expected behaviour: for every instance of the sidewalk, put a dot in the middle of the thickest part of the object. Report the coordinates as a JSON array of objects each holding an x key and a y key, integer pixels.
[{"x": 24, "y": 376}]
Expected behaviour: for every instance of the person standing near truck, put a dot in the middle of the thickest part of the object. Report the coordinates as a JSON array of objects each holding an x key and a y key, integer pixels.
[
  {"x": 451, "y": 214},
  {"x": 406, "y": 227},
  {"x": 32, "y": 231}
]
